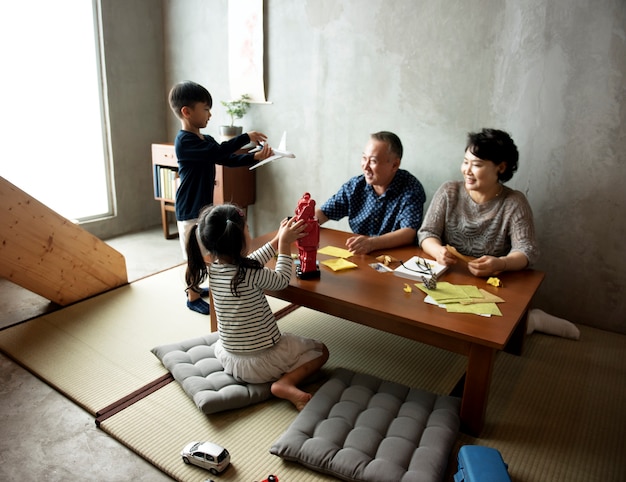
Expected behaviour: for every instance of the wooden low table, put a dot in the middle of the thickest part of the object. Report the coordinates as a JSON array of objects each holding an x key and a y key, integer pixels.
[{"x": 375, "y": 299}]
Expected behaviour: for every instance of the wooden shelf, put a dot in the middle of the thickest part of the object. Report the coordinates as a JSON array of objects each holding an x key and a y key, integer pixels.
[{"x": 236, "y": 185}]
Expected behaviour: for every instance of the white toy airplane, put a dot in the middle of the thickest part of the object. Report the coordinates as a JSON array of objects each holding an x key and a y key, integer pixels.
[{"x": 278, "y": 153}]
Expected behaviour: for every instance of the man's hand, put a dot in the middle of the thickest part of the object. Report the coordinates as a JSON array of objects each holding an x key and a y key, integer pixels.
[{"x": 360, "y": 244}]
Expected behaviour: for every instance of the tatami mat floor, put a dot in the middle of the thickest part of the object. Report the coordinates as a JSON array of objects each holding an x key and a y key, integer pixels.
[{"x": 44, "y": 435}]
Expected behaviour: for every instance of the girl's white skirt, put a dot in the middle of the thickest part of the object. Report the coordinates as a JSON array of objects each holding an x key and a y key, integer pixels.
[{"x": 270, "y": 364}]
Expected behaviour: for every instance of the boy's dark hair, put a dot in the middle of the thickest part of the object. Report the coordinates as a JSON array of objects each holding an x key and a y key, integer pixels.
[
  {"x": 188, "y": 93},
  {"x": 496, "y": 146},
  {"x": 392, "y": 140},
  {"x": 221, "y": 229}
]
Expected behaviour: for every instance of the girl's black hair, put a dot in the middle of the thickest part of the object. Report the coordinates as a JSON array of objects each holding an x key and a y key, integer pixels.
[{"x": 221, "y": 229}]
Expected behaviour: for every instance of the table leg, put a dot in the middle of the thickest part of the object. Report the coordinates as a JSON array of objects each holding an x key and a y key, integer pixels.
[
  {"x": 476, "y": 390},
  {"x": 515, "y": 346}
]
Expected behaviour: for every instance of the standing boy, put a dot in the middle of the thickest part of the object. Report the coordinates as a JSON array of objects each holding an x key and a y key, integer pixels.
[{"x": 197, "y": 155}]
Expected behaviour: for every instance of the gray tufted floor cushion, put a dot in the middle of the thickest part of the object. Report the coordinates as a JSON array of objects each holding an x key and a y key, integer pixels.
[
  {"x": 361, "y": 428},
  {"x": 192, "y": 363}
]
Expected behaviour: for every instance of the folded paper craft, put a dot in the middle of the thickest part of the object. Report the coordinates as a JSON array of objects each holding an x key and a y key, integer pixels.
[
  {"x": 338, "y": 264},
  {"x": 334, "y": 251}
]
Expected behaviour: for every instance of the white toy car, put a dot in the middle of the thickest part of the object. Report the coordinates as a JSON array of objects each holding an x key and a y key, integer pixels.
[{"x": 207, "y": 455}]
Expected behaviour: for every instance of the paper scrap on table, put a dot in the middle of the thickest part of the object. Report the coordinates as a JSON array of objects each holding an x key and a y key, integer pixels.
[
  {"x": 462, "y": 299},
  {"x": 334, "y": 251},
  {"x": 338, "y": 264},
  {"x": 381, "y": 268}
]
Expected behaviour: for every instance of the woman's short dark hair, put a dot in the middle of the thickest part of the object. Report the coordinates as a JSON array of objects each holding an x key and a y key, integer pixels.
[
  {"x": 188, "y": 93},
  {"x": 496, "y": 146}
]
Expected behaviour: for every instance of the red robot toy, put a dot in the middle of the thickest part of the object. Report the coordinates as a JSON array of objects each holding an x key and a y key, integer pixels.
[{"x": 307, "y": 246}]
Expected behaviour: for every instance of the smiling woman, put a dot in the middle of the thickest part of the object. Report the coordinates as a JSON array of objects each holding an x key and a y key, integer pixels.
[
  {"x": 52, "y": 118},
  {"x": 479, "y": 216}
]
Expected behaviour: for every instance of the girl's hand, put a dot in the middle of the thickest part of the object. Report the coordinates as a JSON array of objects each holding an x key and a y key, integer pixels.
[
  {"x": 288, "y": 232},
  {"x": 291, "y": 230}
]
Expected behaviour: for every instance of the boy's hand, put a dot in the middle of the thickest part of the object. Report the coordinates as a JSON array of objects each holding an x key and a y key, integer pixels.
[
  {"x": 265, "y": 152},
  {"x": 257, "y": 137}
]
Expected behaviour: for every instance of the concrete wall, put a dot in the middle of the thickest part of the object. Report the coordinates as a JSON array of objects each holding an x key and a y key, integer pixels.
[{"x": 549, "y": 72}]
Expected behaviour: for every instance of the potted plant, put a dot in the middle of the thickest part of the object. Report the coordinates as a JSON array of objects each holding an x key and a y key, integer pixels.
[{"x": 236, "y": 109}]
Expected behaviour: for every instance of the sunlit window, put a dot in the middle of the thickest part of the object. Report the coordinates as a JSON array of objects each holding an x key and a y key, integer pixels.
[{"x": 51, "y": 121}]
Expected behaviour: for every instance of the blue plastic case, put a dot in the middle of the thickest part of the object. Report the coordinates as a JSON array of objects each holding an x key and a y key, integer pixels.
[{"x": 481, "y": 464}]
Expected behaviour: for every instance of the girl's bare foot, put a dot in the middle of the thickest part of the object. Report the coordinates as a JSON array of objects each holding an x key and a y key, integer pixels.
[{"x": 291, "y": 393}]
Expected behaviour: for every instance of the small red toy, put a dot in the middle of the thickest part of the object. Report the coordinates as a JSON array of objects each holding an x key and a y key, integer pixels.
[{"x": 271, "y": 478}]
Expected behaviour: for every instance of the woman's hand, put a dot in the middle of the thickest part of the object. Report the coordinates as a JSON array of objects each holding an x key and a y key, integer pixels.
[
  {"x": 490, "y": 265},
  {"x": 445, "y": 257},
  {"x": 434, "y": 248},
  {"x": 486, "y": 266}
]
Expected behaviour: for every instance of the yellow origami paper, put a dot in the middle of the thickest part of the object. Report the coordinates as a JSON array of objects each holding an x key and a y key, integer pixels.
[
  {"x": 445, "y": 292},
  {"x": 471, "y": 291},
  {"x": 464, "y": 299},
  {"x": 495, "y": 282},
  {"x": 334, "y": 251},
  {"x": 338, "y": 264},
  {"x": 486, "y": 298},
  {"x": 475, "y": 308}
]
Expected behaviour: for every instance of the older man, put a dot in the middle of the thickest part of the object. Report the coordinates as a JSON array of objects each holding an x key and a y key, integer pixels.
[{"x": 384, "y": 204}]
